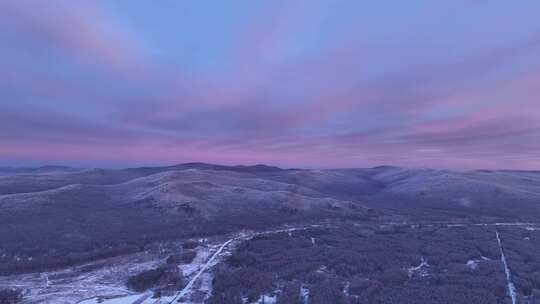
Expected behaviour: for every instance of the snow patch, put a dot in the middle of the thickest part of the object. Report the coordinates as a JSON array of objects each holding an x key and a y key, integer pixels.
[
  {"x": 197, "y": 263},
  {"x": 420, "y": 270},
  {"x": 209, "y": 263},
  {"x": 266, "y": 299},
  {"x": 472, "y": 264},
  {"x": 455, "y": 225},
  {"x": 121, "y": 300},
  {"x": 346, "y": 288},
  {"x": 510, "y": 284},
  {"x": 304, "y": 293}
]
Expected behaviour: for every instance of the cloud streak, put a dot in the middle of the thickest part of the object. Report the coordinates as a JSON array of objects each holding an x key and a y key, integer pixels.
[{"x": 307, "y": 84}]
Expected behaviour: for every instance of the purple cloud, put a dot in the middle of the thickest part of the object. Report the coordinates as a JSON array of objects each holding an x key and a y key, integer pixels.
[{"x": 303, "y": 84}]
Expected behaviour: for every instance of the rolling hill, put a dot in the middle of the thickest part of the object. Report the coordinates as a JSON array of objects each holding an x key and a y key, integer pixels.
[{"x": 53, "y": 219}]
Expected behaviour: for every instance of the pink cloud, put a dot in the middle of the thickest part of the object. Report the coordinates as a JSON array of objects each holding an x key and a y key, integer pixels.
[{"x": 82, "y": 29}]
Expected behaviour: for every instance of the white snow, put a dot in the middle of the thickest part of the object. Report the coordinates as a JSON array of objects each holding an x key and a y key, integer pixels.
[
  {"x": 197, "y": 263},
  {"x": 420, "y": 269},
  {"x": 472, "y": 264},
  {"x": 304, "y": 293},
  {"x": 346, "y": 288},
  {"x": 121, "y": 300},
  {"x": 514, "y": 224},
  {"x": 266, "y": 299},
  {"x": 511, "y": 286},
  {"x": 197, "y": 270},
  {"x": 74, "y": 284},
  {"x": 187, "y": 288}
]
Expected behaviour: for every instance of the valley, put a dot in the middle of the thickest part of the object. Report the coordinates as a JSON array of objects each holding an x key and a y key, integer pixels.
[{"x": 200, "y": 233}]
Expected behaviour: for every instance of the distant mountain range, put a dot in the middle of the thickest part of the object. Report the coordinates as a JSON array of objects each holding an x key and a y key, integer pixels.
[
  {"x": 49, "y": 213},
  {"x": 41, "y": 169}
]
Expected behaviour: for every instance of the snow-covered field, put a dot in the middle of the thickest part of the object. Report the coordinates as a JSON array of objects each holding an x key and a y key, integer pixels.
[
  {"x": 104, "y": 281},
  {"x": 72, "y": 285},
  {"x": 132, "y": 299}
]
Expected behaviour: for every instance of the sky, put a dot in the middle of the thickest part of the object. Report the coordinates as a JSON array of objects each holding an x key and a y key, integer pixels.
[{"x": 316, "y": 84}]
